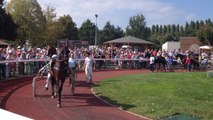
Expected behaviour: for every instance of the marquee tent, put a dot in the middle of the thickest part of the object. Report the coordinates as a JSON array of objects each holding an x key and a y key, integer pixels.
[
  {"x": 3, "y": 43},
  {"x": 129, "y": 40}
]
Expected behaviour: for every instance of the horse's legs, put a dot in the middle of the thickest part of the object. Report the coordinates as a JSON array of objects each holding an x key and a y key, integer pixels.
[
  {"x": 164, "y": 67},
  {"x": 157, "y": 67},
  {"x": 60, "y": 87},
  {"x": 52, "y": 85}
]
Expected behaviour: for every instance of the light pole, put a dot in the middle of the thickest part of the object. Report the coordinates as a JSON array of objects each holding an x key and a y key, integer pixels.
[{"x": 96, "y": 16}]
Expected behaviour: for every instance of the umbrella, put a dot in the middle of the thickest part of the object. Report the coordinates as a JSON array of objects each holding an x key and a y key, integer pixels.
[
  {"x": 125, "y": 46},
  {"x": 206, "y": 47}
]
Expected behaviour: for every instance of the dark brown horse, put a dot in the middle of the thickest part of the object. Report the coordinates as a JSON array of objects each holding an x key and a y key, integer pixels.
[
  {"x": 59, "y": 72},
  {"x": 160, "y": 63},
  {"x": 194, "y": 61}
]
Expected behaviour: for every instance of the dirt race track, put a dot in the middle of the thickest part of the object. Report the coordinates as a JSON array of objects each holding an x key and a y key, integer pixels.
[{"x": 16, "y": 96}]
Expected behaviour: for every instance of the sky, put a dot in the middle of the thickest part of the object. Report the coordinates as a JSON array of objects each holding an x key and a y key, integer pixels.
[{"x": 118, "y": 12}]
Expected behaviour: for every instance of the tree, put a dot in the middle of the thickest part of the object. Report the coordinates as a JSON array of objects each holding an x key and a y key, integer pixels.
[
  {"x": 52, "y": 29},
  {"x": 87, "y": 32},
  {"x": 164, "y": 29},
  {"x": 173, "y": 29},
  {"x": 157, "y": 29},
  {"x": 182, "y": 31},
  {"x": 205, "y": 34},
  {"x": 187, "y": 29},
  {"x": 29, "y": 17},
  {"x": 118, "y": 32},
  {"x": 68, "y": 28},
  {"x": 161, "y": 30},
  {"x": 137, "y": 27},
  {"x": 168, "y": 29},
  {"x": 110, "y": 32},
  {"x": 153, "y": 29},
  {"x": 192, "y": 29},
  {"x": 7, "y": 25}
]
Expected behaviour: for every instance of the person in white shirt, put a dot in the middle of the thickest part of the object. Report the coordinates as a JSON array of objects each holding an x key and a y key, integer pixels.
[
  {"x": 89, "y": 64},
  {"x": 152, "y": 63},
  {"x": 12, "y": 65}
]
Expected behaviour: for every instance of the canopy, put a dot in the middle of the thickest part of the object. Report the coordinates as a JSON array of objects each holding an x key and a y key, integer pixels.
[
  {"x": 206, "y": 47},
  {"x": 128, "y": 40},
  {"x": 3, "y": 43}
]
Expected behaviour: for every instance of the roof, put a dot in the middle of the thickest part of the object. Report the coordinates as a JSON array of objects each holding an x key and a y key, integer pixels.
[
  {"x": 129, "y": 40},
  {"x": 3, "y": 43},
  {"x": 186, "y": 42}
]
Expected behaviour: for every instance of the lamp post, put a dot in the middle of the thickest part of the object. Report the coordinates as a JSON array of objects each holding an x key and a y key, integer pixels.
[{"x": 96, "y": 16}]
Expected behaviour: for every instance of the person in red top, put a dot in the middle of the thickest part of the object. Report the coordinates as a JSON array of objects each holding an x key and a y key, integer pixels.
[
  {"x": 154, "y": 53},
  {"x": 188, "y": 63}
]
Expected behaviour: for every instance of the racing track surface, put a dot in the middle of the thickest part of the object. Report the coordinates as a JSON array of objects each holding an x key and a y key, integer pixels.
[{"x": 16, "y": 96}]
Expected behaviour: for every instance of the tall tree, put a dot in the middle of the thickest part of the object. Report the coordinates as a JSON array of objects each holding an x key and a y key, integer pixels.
[
  {"x": 52, "y": 31},
  {"x": 69, "y": 29},
  {"x": 29, "y": 17},
  {"x": 164, "y": 29},
  {"x": 169, "y": 29},
  {"x": 173, "y": 29},
  {"x": 87, "y": 32},
  {"x": 182, "y": 31},
  {"x": 137, "y": 27},
  {"x": 157, "y": 29},
  {"x": 7, "y": 25},
  {"x": 205, "y": 34},
  {"x": 161, "y": 30},
  {"x": 197, "y": 25},
  {"x": 192, "y": 29},
  {"x": 153, "y": 29},
  {"x": 187, "y": 29},
  {"x": 110, "y": 32}
]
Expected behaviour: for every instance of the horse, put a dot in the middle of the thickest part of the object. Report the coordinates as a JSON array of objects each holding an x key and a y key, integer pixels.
[
  {"x": 59, "y": 72},
  {"x": 194, "y": 61},
  {"x": 160, "y": 63}
]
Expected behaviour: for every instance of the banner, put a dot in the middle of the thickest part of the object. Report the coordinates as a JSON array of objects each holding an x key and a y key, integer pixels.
[{"x": 73, "y": 43}]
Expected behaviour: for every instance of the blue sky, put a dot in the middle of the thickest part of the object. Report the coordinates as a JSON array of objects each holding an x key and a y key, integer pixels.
[{"x": 118, "y": 12}]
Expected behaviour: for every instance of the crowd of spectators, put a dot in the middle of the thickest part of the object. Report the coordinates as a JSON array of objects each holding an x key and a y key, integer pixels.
[{"x": 119, "y": 57}]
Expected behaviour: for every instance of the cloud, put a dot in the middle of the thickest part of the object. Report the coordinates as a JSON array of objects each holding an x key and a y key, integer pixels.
[
  {"x": 118, "y": 12},
  {"x": 190, "y": 17}
]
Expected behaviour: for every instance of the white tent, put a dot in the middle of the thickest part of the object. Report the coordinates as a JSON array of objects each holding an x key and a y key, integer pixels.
[{"x": 206, "y": 47}]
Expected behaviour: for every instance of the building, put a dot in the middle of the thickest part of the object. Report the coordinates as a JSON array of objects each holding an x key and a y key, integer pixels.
[
  {"x": 186, "y": 43},
  {"x": 170, "y": 46},
  {"x": 189, "y": 43}
]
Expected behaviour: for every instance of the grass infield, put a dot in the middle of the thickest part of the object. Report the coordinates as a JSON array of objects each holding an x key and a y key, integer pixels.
[{"x": 157, "y": 95}]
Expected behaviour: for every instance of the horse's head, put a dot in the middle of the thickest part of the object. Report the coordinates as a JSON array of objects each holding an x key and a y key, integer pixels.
[
  {"x": 64, "y": 54},
  {"x": 181, "y": 56}
]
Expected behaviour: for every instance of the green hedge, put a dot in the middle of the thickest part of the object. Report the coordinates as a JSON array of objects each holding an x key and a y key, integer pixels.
[{"x": 210, "y": 74}]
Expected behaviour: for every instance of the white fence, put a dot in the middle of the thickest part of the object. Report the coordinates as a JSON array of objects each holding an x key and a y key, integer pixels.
[{"x": 30, "y": 67}]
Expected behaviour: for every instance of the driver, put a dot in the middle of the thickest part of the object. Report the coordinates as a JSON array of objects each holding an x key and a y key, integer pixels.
[{"x": 52, "y": 53}]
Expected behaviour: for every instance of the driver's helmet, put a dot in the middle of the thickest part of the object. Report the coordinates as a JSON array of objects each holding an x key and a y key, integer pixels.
[{"x": 54, "y": 57}]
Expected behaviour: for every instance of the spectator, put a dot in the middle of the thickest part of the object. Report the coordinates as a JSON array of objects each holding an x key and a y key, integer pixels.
[
  {"x": 188, "y": 63},
  {"x": 3, "y": 65},
  {"x": 152, "y": 63},
  {"x": 11, "y": 66},
  {"x": 169, "y": 60}
]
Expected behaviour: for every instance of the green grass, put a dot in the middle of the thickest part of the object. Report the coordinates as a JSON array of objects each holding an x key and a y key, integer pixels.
[{"x": 157, "y": 95}]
